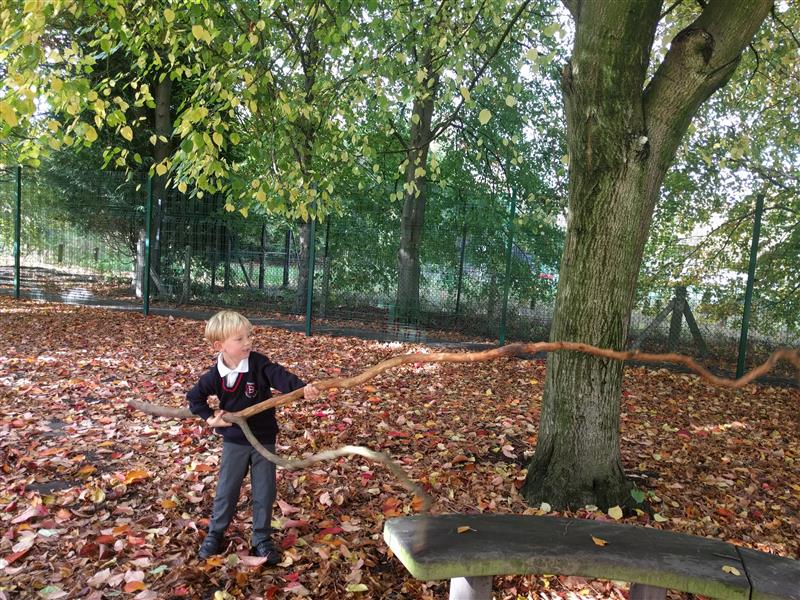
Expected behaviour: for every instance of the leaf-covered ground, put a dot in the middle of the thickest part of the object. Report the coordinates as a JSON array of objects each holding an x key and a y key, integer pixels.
[{"x": 100, "y": 501}]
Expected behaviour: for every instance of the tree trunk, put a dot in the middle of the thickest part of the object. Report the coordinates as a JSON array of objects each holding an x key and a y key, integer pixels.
[
  {"x": 163, "y": 128},
  {"x": 302, "y": 268},
  {"x": 286, "y": 249},
  {"x": 621, "y": 143},
  {"x": 415, "y": 195}
]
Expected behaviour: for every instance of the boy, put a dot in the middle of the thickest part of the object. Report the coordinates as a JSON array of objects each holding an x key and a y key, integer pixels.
[{"x": 239, "y": 379}]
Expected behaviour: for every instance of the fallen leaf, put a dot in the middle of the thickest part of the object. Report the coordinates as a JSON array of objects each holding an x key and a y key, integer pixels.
[
  {"x": 464, "y": 529},
  {"x": 599, "y": 541}
]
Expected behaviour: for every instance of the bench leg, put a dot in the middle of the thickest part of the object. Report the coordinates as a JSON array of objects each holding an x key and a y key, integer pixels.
[
  {"x": 471, "y": 588},
  {"x": 646, "y": 592}
]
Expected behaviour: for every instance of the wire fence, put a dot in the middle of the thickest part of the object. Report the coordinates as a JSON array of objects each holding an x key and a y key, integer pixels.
[{"x": 488, "y": 265}]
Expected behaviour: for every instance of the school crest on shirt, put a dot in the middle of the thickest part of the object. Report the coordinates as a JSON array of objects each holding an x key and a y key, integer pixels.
[{"x": 250, "y": 389}]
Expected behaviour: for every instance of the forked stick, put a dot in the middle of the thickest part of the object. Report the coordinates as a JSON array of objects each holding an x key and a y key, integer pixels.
[{"x": 240, "y": 418}]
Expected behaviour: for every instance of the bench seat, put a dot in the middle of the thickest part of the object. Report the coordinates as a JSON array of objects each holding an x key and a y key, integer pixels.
[{"x": 431, "y": 548}]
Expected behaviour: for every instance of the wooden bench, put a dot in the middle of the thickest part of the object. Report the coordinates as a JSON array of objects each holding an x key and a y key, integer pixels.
[{"x": 431, "y": 548}]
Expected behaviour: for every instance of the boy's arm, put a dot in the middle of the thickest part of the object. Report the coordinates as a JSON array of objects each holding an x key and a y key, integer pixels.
[
  {"x": 282, "y": 379},
  {"x": 198, "y": 398}
]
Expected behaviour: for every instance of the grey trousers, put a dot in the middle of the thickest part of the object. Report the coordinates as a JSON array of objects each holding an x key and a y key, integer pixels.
[{"x": 236, "y": 459}]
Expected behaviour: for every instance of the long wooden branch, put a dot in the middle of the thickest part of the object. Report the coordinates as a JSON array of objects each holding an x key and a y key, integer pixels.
[
  {"x": 381, "y": 457},
  {"x": 787, "y": 354},
  {"x": 240, "y": 418}
]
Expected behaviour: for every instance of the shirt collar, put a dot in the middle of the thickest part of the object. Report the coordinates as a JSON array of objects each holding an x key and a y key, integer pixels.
[{"x": 224, "y": 371}]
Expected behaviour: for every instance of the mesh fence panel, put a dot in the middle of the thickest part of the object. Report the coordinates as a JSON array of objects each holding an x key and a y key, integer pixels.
[
  {"x": 83, "y": 241},
  {"x": 7, "y": 213}
]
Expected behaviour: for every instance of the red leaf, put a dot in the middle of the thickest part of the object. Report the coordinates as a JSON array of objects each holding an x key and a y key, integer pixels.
[
  {"x": 105, "y": 539},
  {"x": 89, "y": 549},
  {"x": 14, "y": 556},
  {"x": 295, "y": 523}
]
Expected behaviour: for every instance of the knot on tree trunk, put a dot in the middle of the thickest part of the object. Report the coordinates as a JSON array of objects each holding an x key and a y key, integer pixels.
[{"x": 695, "y": 44}]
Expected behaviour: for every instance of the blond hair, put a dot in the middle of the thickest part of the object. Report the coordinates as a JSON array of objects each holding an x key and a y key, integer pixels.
[{"x": 224, "y": 324}]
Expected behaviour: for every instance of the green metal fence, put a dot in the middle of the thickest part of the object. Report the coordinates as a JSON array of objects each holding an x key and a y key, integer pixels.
[{"x": 488, "y": 265}]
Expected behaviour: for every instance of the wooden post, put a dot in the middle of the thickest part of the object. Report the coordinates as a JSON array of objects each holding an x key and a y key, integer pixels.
[
  {"x": 60, "y": 253},
  {"x": 244, "y": 272},
  {"x": 677, "y": 317},
  {"x": 670, "y": 307},
  {"x": 698, "y": 337}
]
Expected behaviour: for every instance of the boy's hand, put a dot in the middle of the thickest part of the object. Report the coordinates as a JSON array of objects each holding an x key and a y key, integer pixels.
[
  {"x": 310, "y": 392},
  {"x": 217, "y": 420}
]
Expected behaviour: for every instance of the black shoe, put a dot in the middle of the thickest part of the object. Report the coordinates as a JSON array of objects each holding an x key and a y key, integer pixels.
[
  {"x": 266, "y": 550},
  {"x": 210, "y": 546}
]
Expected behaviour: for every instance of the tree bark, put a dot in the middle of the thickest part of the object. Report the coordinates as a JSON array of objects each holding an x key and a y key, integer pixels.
[
  {"x": 621, "y": 141},
  {"x": 415, "y": 195},
  {"x": 301, "y": 293},
  {"x": 311, "y": 59},
  {"x": 163, "y": 127}
]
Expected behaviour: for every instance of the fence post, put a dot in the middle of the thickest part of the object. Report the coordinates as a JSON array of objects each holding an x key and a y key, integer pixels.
[
  {"x": 312, "y": 244},
  {"x": 146, "y": 275},
  {"x": 748, "y": 294},
  {"x": 507, "y": 283},
  {"x": 17, "y": 232}
]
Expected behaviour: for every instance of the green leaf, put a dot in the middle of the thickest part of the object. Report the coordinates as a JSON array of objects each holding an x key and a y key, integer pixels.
[
  {"x": 484, "y": 116},
  {"x": 637, "y": 495},
  {"x": 8, "y": 114}
]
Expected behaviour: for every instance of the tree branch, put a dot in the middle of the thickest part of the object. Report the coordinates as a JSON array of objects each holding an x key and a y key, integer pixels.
[
  {"x": 785, "y": 26},
  {"x": 240, "y": 418},
  {"x": 670, "y": 9},
  {"x": 700, "y": 60},
  {"x": 792, "y": 356},
  {"x": 442, "y": 126}
]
